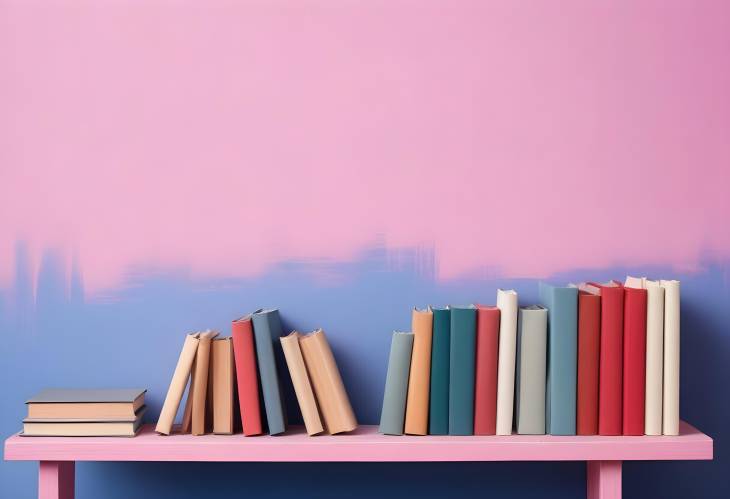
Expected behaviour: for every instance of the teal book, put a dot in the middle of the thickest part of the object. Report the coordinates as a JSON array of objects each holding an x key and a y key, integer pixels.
[
  {"x": 461, "y": 370},
  {"x": 562, "y": 361},
  {"x": 392, "y": 417},
  {"x": 266, "y": 330},
  {"x": 438, "y": 411}
]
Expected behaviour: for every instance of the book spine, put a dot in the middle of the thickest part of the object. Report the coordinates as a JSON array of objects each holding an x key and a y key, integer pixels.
[
  {"x": 266, "y": 327},
  {"x": 670, "y": 409},
  {"x": 221, "y": 372},
  {"x": 507, "y": 304},
  {"x": 461, "y": 371},
  {"x": 177, "y": 385},
  {"x": 589, "y": 338},
  {"x": 302, "y": 385},
  {"x": 609, "y": 386},
  {"x": 199, "y": 385},
  {"x": 485, "y": 383},
  {"x": 654, "y": 358},
  {"x": 392, "y": 416},
  {"x": 438, "y": 421},
  {"x": 531, "y": 371},
  {"x": 634, "y": 378},
  {"x": 244, "y": 352},
  {"x": 420, "y": 373}
]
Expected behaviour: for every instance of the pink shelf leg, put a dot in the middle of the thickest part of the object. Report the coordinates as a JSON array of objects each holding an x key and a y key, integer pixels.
[
  {"x": 56, "y": 479},
  {"x": 604, "y": 479}
]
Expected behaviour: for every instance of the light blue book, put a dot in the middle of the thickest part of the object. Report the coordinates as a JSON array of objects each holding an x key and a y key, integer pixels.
[
  {"x": 562, "y": 364},
  {"x": 267, "y": 329},
  {"x": 393, "y": 415}
]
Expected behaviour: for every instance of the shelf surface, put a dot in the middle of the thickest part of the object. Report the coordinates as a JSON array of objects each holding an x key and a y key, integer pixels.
[{"x": 364, "y": 444}]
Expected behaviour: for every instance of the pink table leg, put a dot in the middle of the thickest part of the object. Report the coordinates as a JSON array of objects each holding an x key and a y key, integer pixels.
[
  {"x": 56, "y": 480},
  {"x": 604, "y": 479}
]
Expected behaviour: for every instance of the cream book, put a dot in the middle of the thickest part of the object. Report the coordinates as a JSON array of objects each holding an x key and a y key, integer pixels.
[
  {"x": 301, "y": 382},
  {"x": 507, "y": 304},
  {"x": 177, "y": 385},
  {"x": 670, "y": 394},
  {"x": 82, "y": 428},
  {"x": 99, "y": 404},
  {"x": 328, "y": 386}
]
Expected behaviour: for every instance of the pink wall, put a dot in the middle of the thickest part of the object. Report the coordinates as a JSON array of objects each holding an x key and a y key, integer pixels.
[{"x": 226, "y": 136}]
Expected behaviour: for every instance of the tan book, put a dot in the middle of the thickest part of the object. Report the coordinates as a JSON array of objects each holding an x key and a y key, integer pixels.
[
  {"x": 82, "y": 428},
  {"x": 302, "y": 385},
  {"x": 419, "y": 381},
  {"x": 187, "y": 419},
  {"x": 112, "y": 404},
  {"x": 177, "y": 385},
  {"x": 223, "y": 381},
  {"x": 199, "y": 382},
  {"x": 328, "y": 387}
]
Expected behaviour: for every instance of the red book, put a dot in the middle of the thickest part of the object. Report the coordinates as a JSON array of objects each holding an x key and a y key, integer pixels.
[
  {"x": 244, "y": 353},
  {"x": 589, "y": 338},
  {"x": 634, "y": 380},
  {"x": 485, "y": 382},
  {"x": 610, "y": 394}
]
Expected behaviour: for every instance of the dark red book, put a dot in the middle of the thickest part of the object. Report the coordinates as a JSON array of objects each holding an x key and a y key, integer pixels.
[
  {"x": 634, "y": 379},
  {"x": 589, "y": 343},
  {"x": 610, "y": 381},
  {"x": 247, "y": 379},
  {"x": 485, "y": 382}
]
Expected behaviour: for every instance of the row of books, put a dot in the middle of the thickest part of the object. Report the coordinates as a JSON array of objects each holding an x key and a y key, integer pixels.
[
  {"x": 85, "y": 413},
  {"x": 589, "y": 359},
  {"x": 243, "y": 367}
]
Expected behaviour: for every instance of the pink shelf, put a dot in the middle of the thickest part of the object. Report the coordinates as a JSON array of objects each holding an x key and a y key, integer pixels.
[{"x": 363, "y": 445}]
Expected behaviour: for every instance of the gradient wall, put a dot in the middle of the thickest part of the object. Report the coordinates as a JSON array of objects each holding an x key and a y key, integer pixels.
[{"x": 168, "y": 166}]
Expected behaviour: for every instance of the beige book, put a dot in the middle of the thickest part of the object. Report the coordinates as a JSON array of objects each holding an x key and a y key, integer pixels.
[
  {"x": 302, "y": 385},
  {"x": 187, "y": 419},
  {"x": 199, "y": 382},
  {"x": 110, "y": 404},
  {"x": 670, "y": 395},
  {"x": 222, "y": 374},
  {"x": 654, "y": 357},
  {"x": 419, "y": 380},
  {"x": 60, "y": 428},
  {"x": 328, "y": 387},
  {"x": 177, "y": 385}
]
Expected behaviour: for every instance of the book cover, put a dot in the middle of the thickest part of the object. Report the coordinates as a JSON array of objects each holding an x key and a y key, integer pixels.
[
  {"x": 634, "y": 378},
  {"x": 562, "y": 362},
  {"x": 419, "y": 381},
  {"x": 461, "y": 370},
  {"x": 328, "y": 386},
  {"x": 302, "y": 385},
  {"x": 654, "y": 357},
  {"x": 507, "y": 304},
  {"x": 222, "y": 374},
  {"x": 392, "y": 416},
  {"x": 100, "y": 404},
  {"x": 589, "y": 343},
  {"x": 247, "y": 378},
  {"x": 670, "y": 406},
  {"x": 267, "y": 327},
  {"x": 531, "y": 370},
  {"x": 199, "y": 382},
  {"x": 610, "y": 398},
  {"x": 438, "y": 413},
  {"x": 485, "y": 382},
  {"x": 177, "y": 385}
]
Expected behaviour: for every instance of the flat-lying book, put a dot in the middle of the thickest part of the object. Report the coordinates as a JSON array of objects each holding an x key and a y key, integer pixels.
[
  {"x": 111, "y": 405},
  {"x": 82, "y": 427}
]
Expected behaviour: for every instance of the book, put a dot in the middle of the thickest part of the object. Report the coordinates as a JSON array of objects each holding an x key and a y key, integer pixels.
[
  {"x": 438, "y": 411},
  {"x": 266, "y": 327},
  {"x": 82, "y": 427},
  {"x": 485, "y": 381},
  {"x": 561, "y": 387},
  {"x": 589, "y": 343},
  {"x": 461, "y": 370},
  {"x": 670, "y": 395},
  {"x": 634, "y": 360},
  {"x": 96, "y": 404},
  {"x": 222, "y": 376},
  {"x": 328, "y": 386},
  {"x": 247, "y": 378},
  {"x": 392, "y": 416},
  {"x": 507, "y": 304},
  {"x": 610, "y": 397},
  {"x": 531, "y": 370},
  {"x": 177, "y": 385},
  {"x": 199, "y": 382},
  {"x": 302, "y": 385},
  {"x": 654, "y": 357},
  {"x": 419, "y": 380}
]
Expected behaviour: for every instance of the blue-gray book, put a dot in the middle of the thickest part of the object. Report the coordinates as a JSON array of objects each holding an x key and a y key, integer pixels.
[
  {"x": 267, "y": 329},
  {"x": 393, "y": 415}
]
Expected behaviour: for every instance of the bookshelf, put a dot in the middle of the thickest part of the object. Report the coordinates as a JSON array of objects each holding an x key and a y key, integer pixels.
[{"x": 603, "y": 454}]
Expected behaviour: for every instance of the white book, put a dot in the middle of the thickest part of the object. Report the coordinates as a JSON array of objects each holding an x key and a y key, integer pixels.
[
  {"x": 507, "y": 304},
  {"x": 670, "y": 402},
  {"x": 654, "y": 357}
]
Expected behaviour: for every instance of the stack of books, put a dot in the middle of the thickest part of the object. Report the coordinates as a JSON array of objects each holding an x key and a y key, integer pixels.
[
  {"x": 590, "y": 359},
  {"x": 220, "y": 371},
  {"x": 85, "y": 413}
]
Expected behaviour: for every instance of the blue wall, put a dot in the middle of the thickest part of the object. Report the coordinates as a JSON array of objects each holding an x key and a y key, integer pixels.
[{"x": 132, "y": 337}]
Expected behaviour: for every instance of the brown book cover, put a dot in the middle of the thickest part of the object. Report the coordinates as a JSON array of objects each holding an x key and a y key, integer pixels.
[
  {"x": 222, "y": 374},
  {"x": 199, "y": 382},
  {"x": 301, "y": 382},
  {"x": 419, "y": 381}
]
